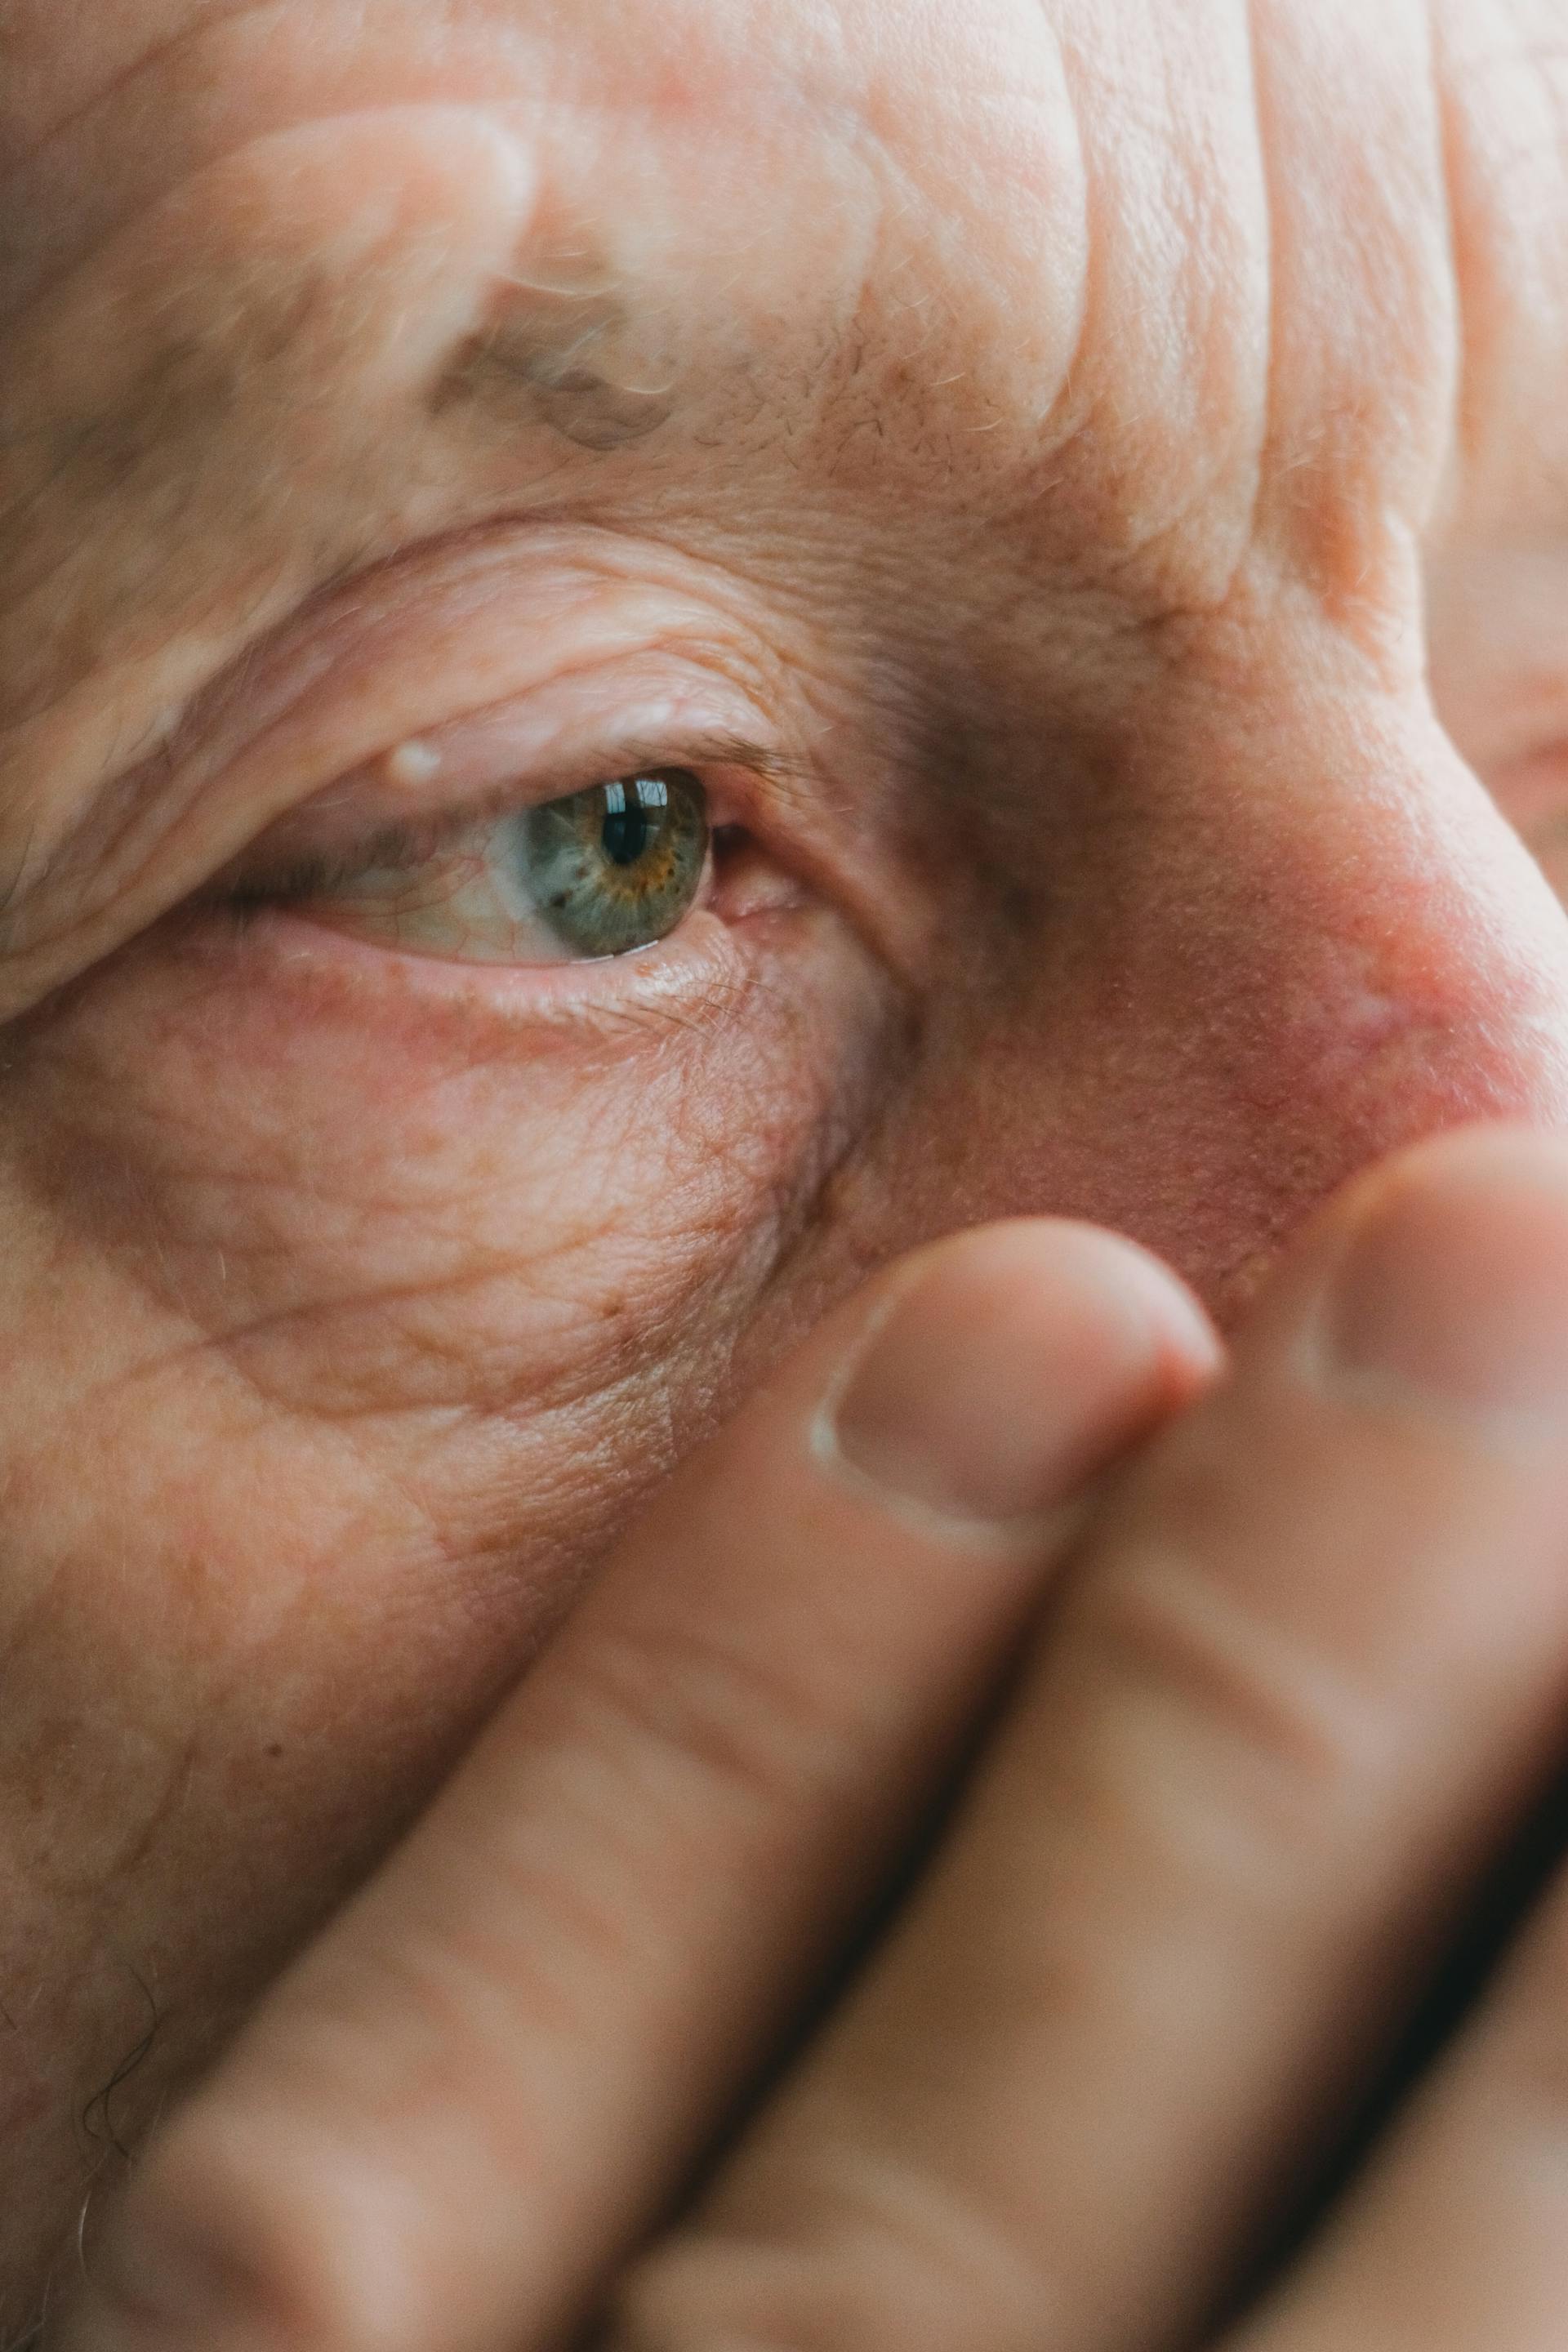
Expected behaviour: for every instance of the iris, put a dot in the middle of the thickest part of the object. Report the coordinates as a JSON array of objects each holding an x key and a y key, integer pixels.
[{"x": 618, "y": 867}]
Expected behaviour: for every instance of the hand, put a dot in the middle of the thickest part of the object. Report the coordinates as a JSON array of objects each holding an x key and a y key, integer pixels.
[
  {"x": 1274, "y": 1694},
  {"x": 1077, "y": 491}
]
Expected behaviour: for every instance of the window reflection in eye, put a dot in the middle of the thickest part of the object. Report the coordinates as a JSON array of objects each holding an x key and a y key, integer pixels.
[{"x": 601, "y": 873}]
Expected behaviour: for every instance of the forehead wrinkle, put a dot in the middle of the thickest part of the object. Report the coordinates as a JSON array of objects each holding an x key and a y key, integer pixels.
[
  {"x": 231, "y": 425},
  {"x": 44, "y": 120},
  {"x": 112, "y": 483},
  {"x": 193, "y": 24}
]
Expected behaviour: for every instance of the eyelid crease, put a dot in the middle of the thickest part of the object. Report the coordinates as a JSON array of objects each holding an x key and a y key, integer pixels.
[
  {"x": 266, "y": 684},
  {"x": 280, "y": 864}
]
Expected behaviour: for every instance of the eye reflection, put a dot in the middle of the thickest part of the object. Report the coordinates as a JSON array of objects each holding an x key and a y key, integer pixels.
[
  {"x": 599, "y": 874},
  {"x": 617, "y": 867}
]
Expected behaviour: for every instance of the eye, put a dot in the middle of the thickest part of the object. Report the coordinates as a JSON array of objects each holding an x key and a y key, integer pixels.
[
  {"x": 598, "y": 874},
  {"x": 618, "y": 868}
]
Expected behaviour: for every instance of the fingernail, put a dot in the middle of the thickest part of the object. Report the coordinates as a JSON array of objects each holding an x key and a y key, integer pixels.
[
  {"x": 1011, "y": 1369},
  {"x": 1455, "y": 1289}
]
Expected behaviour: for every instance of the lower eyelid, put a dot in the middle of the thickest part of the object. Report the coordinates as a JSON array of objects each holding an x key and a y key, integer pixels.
[{"x": 703, "y": 971}]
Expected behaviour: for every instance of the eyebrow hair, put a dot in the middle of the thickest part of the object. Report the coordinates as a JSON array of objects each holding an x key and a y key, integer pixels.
[{"x": 535, "y": 362}]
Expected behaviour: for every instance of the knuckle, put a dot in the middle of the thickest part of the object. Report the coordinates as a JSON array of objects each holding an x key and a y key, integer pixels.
[
  {"x": 1216, "y": 1678},
  {"x": 206, "y": 2222},
  {"x": 755, "y": 1732},
  {"x": 874, "y": 2253}
]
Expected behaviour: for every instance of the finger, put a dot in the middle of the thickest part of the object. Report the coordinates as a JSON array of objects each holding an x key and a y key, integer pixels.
[
  {"x": 1308, "y": 1669},
  {"x": 495, "y": 2066},
  {"x": 1458, "y": 2238}
]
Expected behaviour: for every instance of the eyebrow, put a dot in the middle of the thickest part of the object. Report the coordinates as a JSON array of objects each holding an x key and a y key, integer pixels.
[
  {"x": 551, "y": 358},
  {"x": 543, "y": 358},
  {"x": 587, "y": 367}
]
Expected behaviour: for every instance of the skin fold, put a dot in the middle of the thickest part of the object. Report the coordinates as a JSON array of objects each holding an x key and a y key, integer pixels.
[{"x": 1085, "y": 483}]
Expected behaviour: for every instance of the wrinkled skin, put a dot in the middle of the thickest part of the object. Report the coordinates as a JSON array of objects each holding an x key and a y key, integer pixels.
[{"x": 1035, "y": 426}]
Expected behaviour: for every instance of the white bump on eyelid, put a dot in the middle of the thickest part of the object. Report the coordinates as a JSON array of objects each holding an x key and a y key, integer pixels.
[{"x": 412, "y": 765}]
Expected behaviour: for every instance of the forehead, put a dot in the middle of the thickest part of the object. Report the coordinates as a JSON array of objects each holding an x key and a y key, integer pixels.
[
  {"x": 766, "y": 247},
  {"x": 763, "y": 152},
  {"x": 960, "y": 236}
]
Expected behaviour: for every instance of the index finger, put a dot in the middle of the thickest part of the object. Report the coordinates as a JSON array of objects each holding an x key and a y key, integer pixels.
[{"x": 493, "y": 2072}]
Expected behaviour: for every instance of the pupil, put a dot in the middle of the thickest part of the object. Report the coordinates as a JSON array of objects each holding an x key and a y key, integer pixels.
[{"x": 628, "y": 826}]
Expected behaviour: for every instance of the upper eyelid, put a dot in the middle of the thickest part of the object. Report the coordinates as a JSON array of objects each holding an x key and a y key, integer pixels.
[
  {"x": 270, "y": 687},
  {"x": 449, "y": 585},
  {"x": 718, "y": 758}
]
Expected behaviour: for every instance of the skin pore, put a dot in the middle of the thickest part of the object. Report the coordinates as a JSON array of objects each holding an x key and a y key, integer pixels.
[{"x": 1000, "y": 451}]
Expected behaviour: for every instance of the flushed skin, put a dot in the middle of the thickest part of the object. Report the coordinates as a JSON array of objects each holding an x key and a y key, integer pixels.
[{"x": 1032, "y": 428}]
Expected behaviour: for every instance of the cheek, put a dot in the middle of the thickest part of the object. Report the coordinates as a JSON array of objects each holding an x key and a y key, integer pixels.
[
  {"x": 314, "y": 1222},
  {"x": 356, "y": 1320},
  {"x": 362, "y": 1185}
]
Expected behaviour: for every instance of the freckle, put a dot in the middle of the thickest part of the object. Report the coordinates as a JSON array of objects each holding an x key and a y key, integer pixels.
[{"x": 412, "y": 765}]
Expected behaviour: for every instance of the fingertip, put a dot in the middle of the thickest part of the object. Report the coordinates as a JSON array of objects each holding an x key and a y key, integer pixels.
[
  {"x": 1447, "y": 1285},
  {"x": 999, "y": 1371}
]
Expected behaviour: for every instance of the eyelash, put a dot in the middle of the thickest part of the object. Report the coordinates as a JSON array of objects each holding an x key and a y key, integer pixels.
[
  {"x": 306, "y": 879},
  {"x": 303, "y": 875}
]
